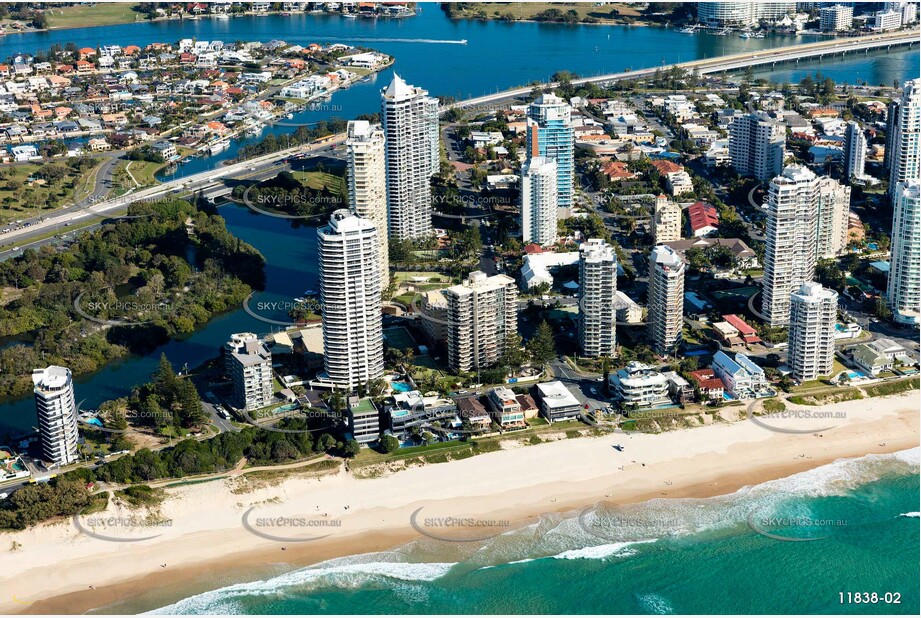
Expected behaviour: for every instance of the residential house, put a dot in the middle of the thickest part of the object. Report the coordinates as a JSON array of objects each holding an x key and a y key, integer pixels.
[
  {"x": 743, "y": 378},
  {"x": 557, "y": 402}
]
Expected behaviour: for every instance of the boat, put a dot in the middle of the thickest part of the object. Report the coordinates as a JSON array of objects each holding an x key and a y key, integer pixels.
[
  {"x": 349, "y": 16},
  {"x": 689, "y": 30},
  {"x": 219, "y": 146},
  {"x": 745, "y": 35},
  {"x": 289, "y": 116},
  {"x": 185, "y": 160},
  {"x": 309, "y": 292},
  {"x": 222, "y": 16},
  {"x": 759, "y": 35}
]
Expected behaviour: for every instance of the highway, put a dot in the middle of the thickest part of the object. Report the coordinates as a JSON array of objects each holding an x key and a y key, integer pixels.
[
  {"x": 99, "y": 210},
  {"x": 793, "y": 53}
]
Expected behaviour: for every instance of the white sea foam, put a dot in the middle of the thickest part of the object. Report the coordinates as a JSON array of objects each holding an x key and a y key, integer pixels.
[
  {"x": 339, "y": 573},
  {"x": 842, "y": 475},
  {"x": 598, "y": 552},
  {"x": 912, "y": 514}
]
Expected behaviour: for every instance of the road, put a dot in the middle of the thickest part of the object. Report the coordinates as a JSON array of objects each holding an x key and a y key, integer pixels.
[
  {"x": 16, "y": 240},
  {"x": 583, "y": 383},
  {"x": 722, "y": 63}
]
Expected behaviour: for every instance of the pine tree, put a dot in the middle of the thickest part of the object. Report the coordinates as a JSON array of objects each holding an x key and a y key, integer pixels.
[{"x": 542, "y": 346}]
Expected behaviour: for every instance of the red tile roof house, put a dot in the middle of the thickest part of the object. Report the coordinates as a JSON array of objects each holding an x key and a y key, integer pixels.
[
  {"x": 533, "y": 248},
  {"x": 703, "y": 219},
  {"x": 666, "y": 167},
  {"x": 748, "y": 334},
  {"x": 708, "y": 384},
  {"x": 617, "y": 171},
  {"x": 87, "y": 52}
]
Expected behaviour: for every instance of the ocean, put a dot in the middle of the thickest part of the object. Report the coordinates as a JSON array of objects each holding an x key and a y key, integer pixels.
[{"x": 792, "y": 545}]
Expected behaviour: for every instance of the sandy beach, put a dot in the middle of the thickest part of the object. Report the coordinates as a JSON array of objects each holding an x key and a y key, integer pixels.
[{"x": 218, "y": 533}]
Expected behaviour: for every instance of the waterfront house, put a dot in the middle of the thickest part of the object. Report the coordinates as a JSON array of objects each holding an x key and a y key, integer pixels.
[
  {"x": 165, "y": 149},
  {"x": 709, "y": 386},
  {"x": 364, "y": 420},
  {"x": 25, "y": 152},
  {"x": 679, "y": 389},
  {"x": 640, "y": 385},
  {"x": 869, "y": 360},
  {"x": 743, "y": 378},
  {"x": 557, "y": 403},
  {"x": 472, "y": 412},
  {"x": 506, "y": 410},
  {"x": 98, "y": 144},
  {"x": 528, "y": 406}
]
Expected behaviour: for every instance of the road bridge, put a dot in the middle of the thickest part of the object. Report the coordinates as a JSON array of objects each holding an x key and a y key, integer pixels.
[{"x": 795, "y": 53}]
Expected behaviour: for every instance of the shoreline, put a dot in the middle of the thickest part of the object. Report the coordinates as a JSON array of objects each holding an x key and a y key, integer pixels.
[{"x": 210, "y": 552}]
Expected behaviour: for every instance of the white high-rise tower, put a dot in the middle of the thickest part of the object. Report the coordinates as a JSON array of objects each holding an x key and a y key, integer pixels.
[
  {"x": 481, "y": 313},
  {"x": 538, "y": 201},
  {"x": 756, "y": 146},
  {"x": 410, "y": 121},
  {"x": 597, "y": 298},
  {"x": 368, "y": 183},
  {"x": 904, "y": 287},
  {"x": 811, "y": 341},
  {"x": 665, "y": 306},
  {"x": 833, "y": 203},
  {"x": 855, "y": 151},
  {"x": 350, "y": 293},
  {"x": 57, "y": 414},
  {"x": 906, "y": 139},
  {"x": 790, "y": 252}
]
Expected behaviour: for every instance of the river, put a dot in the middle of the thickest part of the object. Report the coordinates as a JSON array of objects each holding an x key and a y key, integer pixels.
[{"x": 429, "y": 54}]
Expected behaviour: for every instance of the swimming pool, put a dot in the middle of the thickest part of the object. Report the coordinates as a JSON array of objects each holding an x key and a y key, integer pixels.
[
  {"x": 727, "y": 396},
  {"x": 287, "y": 407},
  {"x": 853, "y": 375},
  {"x": 401, "y": 387},
  {"x": 94, "y": 421}
]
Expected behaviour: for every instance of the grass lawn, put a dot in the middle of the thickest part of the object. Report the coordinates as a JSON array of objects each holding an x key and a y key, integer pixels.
[
  {"x": 144, "y": 172},
  {"x": 318, "y": 180},
  {"x": 20, "y": 198},
  {"x": 85, "y": 16},
  {"x": 407, "y": 299}
]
